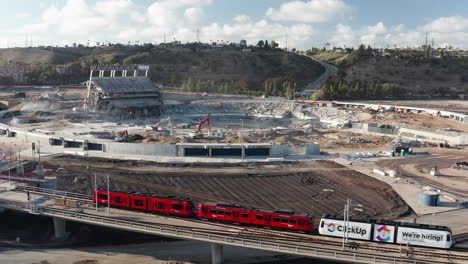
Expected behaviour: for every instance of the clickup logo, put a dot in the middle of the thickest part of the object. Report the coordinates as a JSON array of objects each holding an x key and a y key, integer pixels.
[
  {"x": 331, "y": 227},
  {"x": 384, "y": 233}
]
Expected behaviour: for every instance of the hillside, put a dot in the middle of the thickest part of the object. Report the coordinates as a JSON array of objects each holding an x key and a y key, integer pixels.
[
  {"x": 417, "y": 77},
  {"x": 172, "y": 65}
]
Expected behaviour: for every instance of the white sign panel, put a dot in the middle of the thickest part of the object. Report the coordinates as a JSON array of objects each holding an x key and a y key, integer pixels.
[
  {"x": 384, "y": 233},
  {"x": 423, "y": 237},
  {"x": 143, "y": 67},
  {"x": 356, "y": 230}
]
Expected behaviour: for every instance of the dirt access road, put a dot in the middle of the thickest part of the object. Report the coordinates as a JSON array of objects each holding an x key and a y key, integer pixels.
[
  {"x": 316, "y": 187},
  {"x": 419, "y": 166}
]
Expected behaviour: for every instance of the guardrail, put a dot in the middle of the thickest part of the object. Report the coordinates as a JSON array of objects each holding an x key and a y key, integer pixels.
[
  {"x": 54, "y": 193},
  {"x": 182, "y": 232}
]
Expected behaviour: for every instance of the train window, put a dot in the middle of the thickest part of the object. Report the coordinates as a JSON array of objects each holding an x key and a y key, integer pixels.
[
  {"x": 292, "y": 221},
  {"x": 301, "y": 222},
  {"x": 160, "y": 205},
  {"x": 102, "y": 196},
  {"x": 448, "y": 238},
  {"x": 212, "y": 210},
  {"x": 322, "y": 224},
  {"x": 276, "y": 218},
  {"x": 177, "y": 206},
  {"x": 138, "y": 202},
  {"x": 245, "y": 215},
  {"x": 236, "y": 214},
  {"x": 118, "y": 199},
  {"x": 310, "y": 221},
  {"x": 220, "y": 211},
  {"x": 284, "y": 220},
  {"x": 228, "y": 213},
  {"x": 259, "y": 217}
]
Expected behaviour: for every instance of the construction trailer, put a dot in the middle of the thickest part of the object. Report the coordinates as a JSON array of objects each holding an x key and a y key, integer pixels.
[{"x": 126, "y": 91}]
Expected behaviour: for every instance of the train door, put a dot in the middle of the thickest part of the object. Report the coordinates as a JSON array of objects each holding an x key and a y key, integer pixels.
[
  {"x": 267, "y": 219},
  {"x": 235, "y": 214}
]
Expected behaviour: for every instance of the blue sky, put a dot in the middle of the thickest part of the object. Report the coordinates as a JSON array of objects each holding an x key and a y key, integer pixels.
[{"x": 307, "y": 22}]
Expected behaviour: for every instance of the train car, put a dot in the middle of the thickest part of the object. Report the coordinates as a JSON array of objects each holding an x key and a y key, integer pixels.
[
  {"x": 116, "y": 198},
  {"x": 225, "y": 212},
  {"x": 282, "y": 218},
  {"x": 139, "y": 201},
  {"x": 424, "y": 235},
  {"x": 334, "y": 226},
  {"x": 170, "y": 204}
]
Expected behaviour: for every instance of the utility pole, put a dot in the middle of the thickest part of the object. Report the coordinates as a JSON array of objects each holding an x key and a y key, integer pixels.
[
  {"x": 108, "y": 195},
  {"x": 432, "y": 48},
  {"x": 426, "y": 46},
  {"x": 95, "y": 191},
  {"x": 242, "y": 139},
  {"x": 346, "y": 222}
]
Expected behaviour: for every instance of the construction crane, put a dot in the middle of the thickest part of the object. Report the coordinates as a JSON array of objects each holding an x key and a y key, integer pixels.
[{"x": 198, "y": 133}]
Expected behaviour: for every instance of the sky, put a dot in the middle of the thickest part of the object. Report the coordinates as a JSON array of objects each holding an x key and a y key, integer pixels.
[{"x": 304, "y": 23}]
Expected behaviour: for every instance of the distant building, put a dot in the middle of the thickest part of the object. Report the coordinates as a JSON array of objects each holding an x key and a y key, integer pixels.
[{"x": 124, "y": 91}]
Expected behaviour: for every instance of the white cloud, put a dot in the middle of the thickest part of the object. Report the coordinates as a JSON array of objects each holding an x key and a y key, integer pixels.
[
  {"x": 242, "y": 18},
  {"x": 448, "y": 24},
  {"x": 125, "y": 20},
  {"x": 378, "y": 28},
  {"x": 343, "y": 36},
  {"x": 310, "y": 12}
]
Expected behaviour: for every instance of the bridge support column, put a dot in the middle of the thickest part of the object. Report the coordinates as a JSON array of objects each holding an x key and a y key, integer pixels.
[
  {"x": 59, "y": 228},
  {"x": 216, "y": 253}
]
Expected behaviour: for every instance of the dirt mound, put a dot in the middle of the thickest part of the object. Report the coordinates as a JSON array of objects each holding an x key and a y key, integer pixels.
[{"x": 288, "y": 139}]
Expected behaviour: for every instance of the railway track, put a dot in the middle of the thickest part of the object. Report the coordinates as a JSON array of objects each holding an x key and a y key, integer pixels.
[{"x": 270, "y": 235}]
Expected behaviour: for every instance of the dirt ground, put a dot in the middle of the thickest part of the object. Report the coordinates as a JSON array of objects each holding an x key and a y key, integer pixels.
[
  {"x": 419, "y": 166},
  {"x": 316, "y": 187}
]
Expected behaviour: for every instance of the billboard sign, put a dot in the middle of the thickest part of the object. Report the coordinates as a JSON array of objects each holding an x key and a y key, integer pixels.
[
  {"x": 143, "y": 67},
  {"x": 384, "y": 233},
  {"x": 423, "y": 237},
  {"x": 356, "y": 230}
]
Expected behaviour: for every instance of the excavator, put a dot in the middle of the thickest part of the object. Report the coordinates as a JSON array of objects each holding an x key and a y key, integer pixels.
[
  {"x": 157, "y": 126},
  {"x": 198, "y": 133}
]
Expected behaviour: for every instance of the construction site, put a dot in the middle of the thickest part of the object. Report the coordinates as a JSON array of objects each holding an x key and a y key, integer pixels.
[{"x": 268, "y": 153}]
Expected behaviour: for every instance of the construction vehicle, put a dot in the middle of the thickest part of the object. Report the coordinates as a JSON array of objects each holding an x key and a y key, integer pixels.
[
  {"x": 199, "y": 133},
  {"x": 158, "y": 127},
  {"x": 121, "y": 136},
  {"x": 460, "y": 165}
]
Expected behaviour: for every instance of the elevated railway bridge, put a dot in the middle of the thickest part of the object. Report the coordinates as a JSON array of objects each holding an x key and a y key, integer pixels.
[{"x": 217, "y": 234}]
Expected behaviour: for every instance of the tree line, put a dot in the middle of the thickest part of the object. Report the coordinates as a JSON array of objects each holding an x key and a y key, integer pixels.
[
  {"x": 278, "y": 86},
  {"x": 337, "y": 88}
]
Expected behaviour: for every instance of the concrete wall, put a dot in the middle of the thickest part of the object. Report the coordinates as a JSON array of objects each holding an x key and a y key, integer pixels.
[
  {"x": 312, "y": 149},
  {"x": 141, "y": 149},
  {"x": 280, "y": 151},
  {"x": 25, "y": 138},
  {"x": 433, "y": 137}
]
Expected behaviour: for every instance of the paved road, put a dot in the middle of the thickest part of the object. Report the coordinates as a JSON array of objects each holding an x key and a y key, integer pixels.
[{"x": 314, "y": 86}]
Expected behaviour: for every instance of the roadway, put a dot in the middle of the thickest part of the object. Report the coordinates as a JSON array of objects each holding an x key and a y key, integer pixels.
[
  {"x": 314, "y": 86},
  {"x": 218, "y": 233}
]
